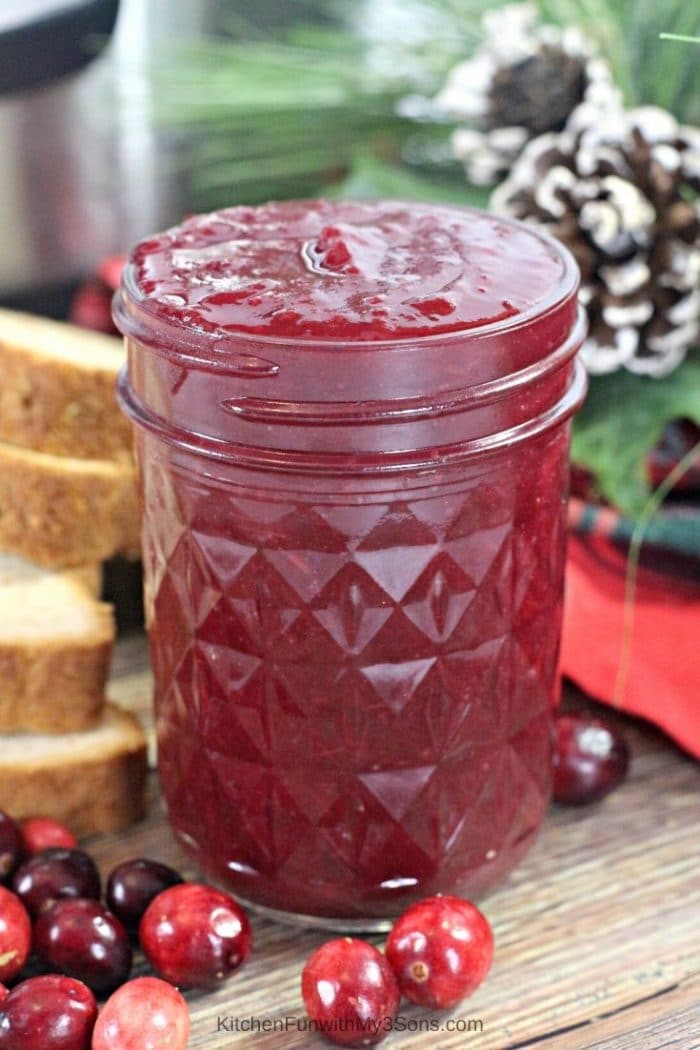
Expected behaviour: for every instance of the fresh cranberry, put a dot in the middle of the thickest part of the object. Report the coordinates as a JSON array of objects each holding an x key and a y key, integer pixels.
[
  {"x": 4, "y": 992},
  {"x": 591, "y": 758},
  {"x": 15, "y": 935},
  {"x": 109, "y": 270},
  {"x": 132, "y": 886},
  {"x": 582, "y": 483},
  {"x": 350, "y": 992},
  {"x": 48, "y": 1013},
  {"x": 82, "y": 939},
  {"x": 53, "y": 874},
  {"x": 143, "y": 1013},
  {"x": 91, "y": 307},
  {"x": 11, "y": 847},
  {"x": 40, "y": 833},
  {"x": 440, "y": 950},
  {"x": 194, "y": 935}
]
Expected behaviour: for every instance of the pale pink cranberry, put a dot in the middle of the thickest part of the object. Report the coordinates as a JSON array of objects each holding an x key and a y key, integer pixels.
[{"x": 144, "y": 1014}]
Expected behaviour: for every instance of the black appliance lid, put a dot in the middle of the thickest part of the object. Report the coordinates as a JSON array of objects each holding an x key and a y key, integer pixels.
[{"x": 42, "y": 40}]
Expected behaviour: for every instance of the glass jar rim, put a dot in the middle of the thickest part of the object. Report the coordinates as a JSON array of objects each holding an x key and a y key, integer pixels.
[{"x": 137, "y": 318}]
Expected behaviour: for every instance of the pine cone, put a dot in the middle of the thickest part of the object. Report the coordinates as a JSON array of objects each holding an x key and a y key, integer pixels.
[
  {"x": 619, "y": 188},
  {"x": 525, "y": 79}
]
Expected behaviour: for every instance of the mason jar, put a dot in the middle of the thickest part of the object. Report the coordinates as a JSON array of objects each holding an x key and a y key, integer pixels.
[{"x": 352, "y": 430}]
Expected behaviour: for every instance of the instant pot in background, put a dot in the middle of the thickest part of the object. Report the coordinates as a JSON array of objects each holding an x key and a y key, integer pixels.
[{"x": 83, "y": 170}]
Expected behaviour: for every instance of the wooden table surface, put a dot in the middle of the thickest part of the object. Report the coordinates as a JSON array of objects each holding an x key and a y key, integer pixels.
[{"x": 597, "y": 933}]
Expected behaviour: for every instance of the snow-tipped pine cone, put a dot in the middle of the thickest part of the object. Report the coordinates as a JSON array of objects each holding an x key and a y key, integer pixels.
[
  {"x": 620, "y": 188},
  {"x": 525, "y": 79}
]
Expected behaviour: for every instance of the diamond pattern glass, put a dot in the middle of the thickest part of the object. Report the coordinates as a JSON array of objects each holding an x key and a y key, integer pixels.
[{"x": 354, "y": 689}]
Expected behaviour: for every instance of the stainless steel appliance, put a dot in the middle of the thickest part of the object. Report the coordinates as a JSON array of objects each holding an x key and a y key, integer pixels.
[
  {"x": 54, "y": 215},
  {"x": 83, "y": 170}
]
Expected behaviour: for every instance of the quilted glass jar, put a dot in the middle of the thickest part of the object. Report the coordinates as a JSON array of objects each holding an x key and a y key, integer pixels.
[{"x": 352, "y": 428}]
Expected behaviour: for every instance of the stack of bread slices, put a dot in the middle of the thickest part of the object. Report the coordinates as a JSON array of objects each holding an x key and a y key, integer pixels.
[{"x": 67, "y": 503}]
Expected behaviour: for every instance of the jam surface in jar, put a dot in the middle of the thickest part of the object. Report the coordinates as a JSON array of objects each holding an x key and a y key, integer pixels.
[
  {"x": 350, "y": 270},
  {"x": 354, "y": 666}
]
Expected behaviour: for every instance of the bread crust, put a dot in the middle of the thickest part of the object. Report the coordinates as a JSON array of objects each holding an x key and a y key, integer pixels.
[
  {"x": 51, "y": 404},
  {"x": 61, "y": 512},
  {"x": 101, "y": 794}
]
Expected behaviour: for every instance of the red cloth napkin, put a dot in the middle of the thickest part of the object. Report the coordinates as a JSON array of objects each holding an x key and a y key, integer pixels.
[{"x": 663, "y": 683}]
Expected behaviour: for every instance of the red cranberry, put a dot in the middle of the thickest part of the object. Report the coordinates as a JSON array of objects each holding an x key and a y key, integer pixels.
[
  {"x": 4, "y": 992},
  {"x": 350, "y": 992},
  {"x": 15, "y": 935},
  {"x": 109, "y": 270},
  {"x": 91, "y": 307},
  {"x": 132, "y": 886},
  {"x": 53, "y": 874},
  {"x": 82, "y": 939},
  {"x": 11, "y": 847},
  {"x": 145, "y": 1012},
  {"x": 40, "y": 833},
  {"x": 440, "y": 950},
  {"x": 48, "y": 1013},
  {"x": 591, "y": 758},
  {"x": 194, "y": 935}
]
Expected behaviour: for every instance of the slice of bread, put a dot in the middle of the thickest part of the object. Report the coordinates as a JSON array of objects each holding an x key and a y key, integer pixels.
[
  {"x": 57, "y": 392},
  {"x": 92, "y": 781},
  {"x": 60, "y": 512},
  {"x": 14, "y": 569},
  {"x": 55, "y": 650}
]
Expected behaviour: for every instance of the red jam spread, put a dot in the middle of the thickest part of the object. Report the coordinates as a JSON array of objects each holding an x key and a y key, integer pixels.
[
  {"x": 354, "y": 670},
  {"x": 357, "y": 271}
]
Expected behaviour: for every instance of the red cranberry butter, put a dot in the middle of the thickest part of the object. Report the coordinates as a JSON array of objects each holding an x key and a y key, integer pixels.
[{"x": 352, "y": 426}]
